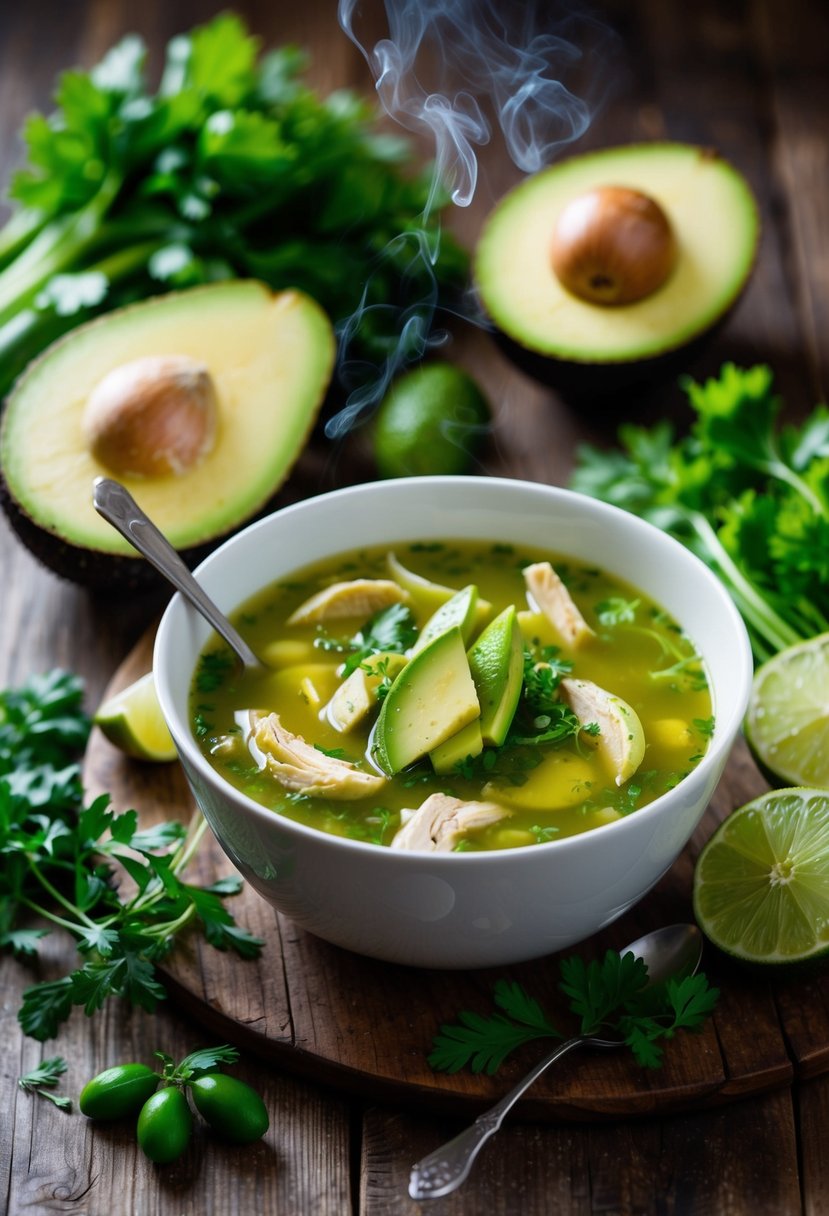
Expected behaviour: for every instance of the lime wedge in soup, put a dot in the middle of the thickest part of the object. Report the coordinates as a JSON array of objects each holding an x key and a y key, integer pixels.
[
  {"x": 787, "y": 723},
  {"x": 761, "y": 884},
  {"x": 132, "y": 720}
]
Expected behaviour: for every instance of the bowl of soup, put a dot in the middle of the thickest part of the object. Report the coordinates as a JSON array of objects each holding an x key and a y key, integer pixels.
[{"x": 491, "y": 713}]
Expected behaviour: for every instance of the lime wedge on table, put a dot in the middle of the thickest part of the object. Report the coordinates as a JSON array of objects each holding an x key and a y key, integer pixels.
[
  {"x": 132, "y": 720},
  {"x": 787, "y": 723},
  {"x": 761, "y": 884}
]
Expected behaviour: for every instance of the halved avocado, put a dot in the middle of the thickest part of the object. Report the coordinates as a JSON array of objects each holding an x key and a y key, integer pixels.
[
  {"x": 268, "y": 359},
  {"x": 691, "y": 265}
]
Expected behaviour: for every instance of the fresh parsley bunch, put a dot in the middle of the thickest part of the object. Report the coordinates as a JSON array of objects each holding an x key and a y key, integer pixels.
[
  {"x": 56, "y": 864},
  {"x": 748, "y": 495},
  {"x": 611, "y": 998},
  {"x": 231, "y": 167}
]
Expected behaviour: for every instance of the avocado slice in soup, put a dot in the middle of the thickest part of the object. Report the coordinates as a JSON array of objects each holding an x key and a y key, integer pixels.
[
  {"x": 432, "y": 699},
  {"x": 497, "y": 665}
]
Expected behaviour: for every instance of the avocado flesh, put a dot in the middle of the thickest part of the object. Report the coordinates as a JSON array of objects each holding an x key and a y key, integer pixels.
[
  {"x": 270, "y": 356},
  {"x": 467, "y": 743},
  {"x": 715, "y": 221},
  {"x": 431, "y": 700},
  {"x": 497, "y": 665}
]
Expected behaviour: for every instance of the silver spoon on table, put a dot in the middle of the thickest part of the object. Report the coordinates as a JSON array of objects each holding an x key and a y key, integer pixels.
[
  {"x": 118, "y": 507},
  {"x": 673, "y": 951}
]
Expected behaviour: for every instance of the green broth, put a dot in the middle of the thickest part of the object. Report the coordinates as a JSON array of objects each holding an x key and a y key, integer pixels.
[{"x": 551, "y": 790}]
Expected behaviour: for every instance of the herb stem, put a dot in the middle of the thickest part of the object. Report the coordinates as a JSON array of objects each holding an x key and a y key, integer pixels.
[
  {"x": 168, "y": 928},
  {"x": 72, "y": 926},
  {"x": 58, "y": 898},
  {"x": 56, "y": 246},
  {"x": 757, "y": 610},
  {"x": 189, "y": 846}
]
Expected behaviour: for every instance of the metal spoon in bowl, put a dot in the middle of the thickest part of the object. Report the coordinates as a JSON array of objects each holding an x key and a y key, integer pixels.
[
  {"x": 673, "y": 951},
  {"x": 118, "y": 507}
]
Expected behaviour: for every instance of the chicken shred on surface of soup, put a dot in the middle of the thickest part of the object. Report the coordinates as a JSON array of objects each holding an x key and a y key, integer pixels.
[{"x": 454, "y": 696}]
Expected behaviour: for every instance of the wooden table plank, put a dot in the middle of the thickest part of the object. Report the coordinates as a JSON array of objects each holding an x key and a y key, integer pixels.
[{"x": 674, "y": 1166}]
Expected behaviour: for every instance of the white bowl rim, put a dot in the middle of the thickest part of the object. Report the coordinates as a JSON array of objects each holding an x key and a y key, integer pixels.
[{"x": 722, "y": 740}]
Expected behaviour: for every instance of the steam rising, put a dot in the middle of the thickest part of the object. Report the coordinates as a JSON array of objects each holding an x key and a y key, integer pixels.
[
  {"x": 484, "y": 50},
  {"x": 488, "y": 63}
]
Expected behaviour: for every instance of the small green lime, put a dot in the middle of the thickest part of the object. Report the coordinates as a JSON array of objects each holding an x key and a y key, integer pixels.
[
  {"x": 431, "y": 421},
  {"x": 787, "y": 722},
  {"x": 761, "y": 884}
]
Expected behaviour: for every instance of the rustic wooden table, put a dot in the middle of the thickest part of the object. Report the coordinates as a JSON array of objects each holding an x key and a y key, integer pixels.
[{"x": 749, "y": 79}]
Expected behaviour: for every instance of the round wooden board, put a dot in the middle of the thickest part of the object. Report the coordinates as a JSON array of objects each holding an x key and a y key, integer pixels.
[{"x": 367, "y": 1026}]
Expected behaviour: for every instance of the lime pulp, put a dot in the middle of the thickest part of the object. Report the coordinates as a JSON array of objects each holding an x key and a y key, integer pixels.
[
  {"x": 787, "y": 722},
  {"x": 761, "y": 884}
]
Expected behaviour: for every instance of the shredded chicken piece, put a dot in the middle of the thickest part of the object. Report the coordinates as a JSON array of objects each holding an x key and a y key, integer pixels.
[
  {"x": 299, "y": 766},
  {"x": 553, "y": 599},
  {"x": 360, "y": 597},
  {"x": 440, "y": 822},
  {"x": 620, "y": 739}
]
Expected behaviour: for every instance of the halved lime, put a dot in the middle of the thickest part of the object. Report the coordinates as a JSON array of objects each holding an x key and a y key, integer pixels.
[
  {"x": 761, "y": 884},
  {"x": 132, "y": 720},
  {"x": 787, "y": 722}
]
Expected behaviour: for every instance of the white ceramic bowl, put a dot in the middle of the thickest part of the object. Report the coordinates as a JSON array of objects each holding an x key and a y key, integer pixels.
[{"x": 458, "y": 910}]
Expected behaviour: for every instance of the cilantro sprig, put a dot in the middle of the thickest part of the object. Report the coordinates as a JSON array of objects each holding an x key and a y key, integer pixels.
[
  {"x": 60, "y": 861},
  {"x": 611, "y": 998},
  {"x": 747, "y": 494}
]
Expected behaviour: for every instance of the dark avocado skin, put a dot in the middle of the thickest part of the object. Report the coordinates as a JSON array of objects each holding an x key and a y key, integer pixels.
[
  {"x": 598, "y": 385},
  {"x": 99, "y": 571},
  {"x": 114, "y": 573}
]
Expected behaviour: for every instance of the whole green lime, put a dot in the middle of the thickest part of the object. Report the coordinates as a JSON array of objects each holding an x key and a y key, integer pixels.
[{"x": 432, "y": 420}]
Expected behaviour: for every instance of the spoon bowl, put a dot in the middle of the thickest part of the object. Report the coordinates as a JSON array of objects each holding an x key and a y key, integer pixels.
[{"x": 668, "y": 953}]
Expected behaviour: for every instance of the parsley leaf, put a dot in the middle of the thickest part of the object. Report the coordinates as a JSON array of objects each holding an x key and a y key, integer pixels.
[
  {"x": 750, "y": 497},
  {"x": 610, "y": 997},
  {"x": 204, "y": 1059},
  {"x": 44, "y": 1078},
  {"x": 391, "y": 629},
  {"x": 57, "y": 860}
]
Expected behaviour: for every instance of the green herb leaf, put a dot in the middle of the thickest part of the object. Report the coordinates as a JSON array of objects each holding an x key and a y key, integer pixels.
[
  {"x": 44, "y": 1078},
  {"x": 55, "y": 861},
  {"x": 391, "y": 629},
  {"x": 610, "y": 996},
  {"x": 206, "y": 1059},
  {"x": 749, "y": 497}
]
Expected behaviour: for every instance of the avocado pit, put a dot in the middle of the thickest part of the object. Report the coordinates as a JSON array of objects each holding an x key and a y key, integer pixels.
[
  {"x": 612, "y": 246},
  {"x": 152, "y": 417}
]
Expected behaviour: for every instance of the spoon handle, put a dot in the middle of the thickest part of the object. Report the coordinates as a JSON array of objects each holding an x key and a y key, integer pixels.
[
  {"x": 118, "y": 507},
  {"x": 444, "y": 1170}
]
